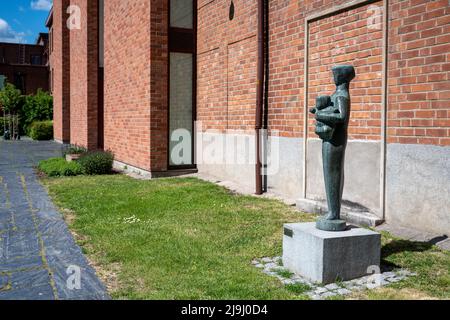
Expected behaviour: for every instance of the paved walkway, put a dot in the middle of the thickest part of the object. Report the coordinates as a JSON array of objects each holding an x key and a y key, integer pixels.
[
  {"x": 442, "y": 241},
  {"x": 39, "y": 259}
]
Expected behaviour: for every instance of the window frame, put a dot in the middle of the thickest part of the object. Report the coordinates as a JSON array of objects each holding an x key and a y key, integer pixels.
[{"x": 183, "y": 40}]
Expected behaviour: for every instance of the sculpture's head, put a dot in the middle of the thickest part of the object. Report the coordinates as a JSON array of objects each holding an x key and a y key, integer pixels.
[{"x": 343, "y": 74}]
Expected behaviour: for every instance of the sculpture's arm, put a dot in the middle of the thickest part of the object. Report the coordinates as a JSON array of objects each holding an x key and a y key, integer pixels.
[{"x": 342, "y": 104}]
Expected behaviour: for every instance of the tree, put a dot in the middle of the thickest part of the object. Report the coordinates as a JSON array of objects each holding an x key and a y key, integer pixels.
[
  {"x": 11, "y": 101},
  {"x": 36, "y": 108}
]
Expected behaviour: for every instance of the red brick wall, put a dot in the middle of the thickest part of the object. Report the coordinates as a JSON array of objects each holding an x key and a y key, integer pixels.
[
  {"x": 227, "y": 52},
  {"x": 339, "y": 39},
  {"x": 242, "y": 84},
  {"x": 286, "y": 27},
  {"x": 20, "y": 53},
  {"x": 127, "y": 81},
  {"x": 419, "y": 83},
  {"x": 84, "y": 76},
  {"x": 60, "y": 64},
  {"x": 347, "y": 38},
  {"x": 419, "y": 72},
  {"x": 158, "y": 84},
  {"x": 136, "y": 82}
]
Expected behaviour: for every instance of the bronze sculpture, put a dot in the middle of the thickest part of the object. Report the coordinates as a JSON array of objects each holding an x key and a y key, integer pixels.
[{"x": 332, "y": 114}]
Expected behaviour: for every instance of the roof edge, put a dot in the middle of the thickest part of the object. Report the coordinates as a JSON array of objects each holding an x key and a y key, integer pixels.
[{"x": 49, "y": 20}]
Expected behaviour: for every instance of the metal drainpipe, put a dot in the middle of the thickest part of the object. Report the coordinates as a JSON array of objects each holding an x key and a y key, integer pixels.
[{"x": 259, "y": 97}]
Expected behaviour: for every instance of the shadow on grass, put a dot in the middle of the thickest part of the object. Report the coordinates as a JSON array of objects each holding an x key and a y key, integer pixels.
[{"x": 399, "y": 246}]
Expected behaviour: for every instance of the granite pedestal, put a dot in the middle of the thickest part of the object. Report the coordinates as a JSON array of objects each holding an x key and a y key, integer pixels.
[{"x": 325, "y": 256}]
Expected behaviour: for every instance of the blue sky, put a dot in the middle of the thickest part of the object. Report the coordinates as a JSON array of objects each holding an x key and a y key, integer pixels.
[{"x": 22, "y": 20}]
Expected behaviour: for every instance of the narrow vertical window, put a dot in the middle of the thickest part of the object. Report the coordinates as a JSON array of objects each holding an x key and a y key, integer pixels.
[
  {"x": 101, "y": 32},
  {"x": 101, "y": 72},
  {"x": 182, "y": 78},
  {"x": 182, "y": 14}
]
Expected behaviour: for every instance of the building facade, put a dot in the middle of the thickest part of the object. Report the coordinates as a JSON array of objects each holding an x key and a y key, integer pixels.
[
  {"x": 25, "y": 65},
  {"x": 171, "y": 85},
  {"x": 59, "y": 66}
]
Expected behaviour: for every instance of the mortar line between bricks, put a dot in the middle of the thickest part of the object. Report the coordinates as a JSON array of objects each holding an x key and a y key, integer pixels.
[{"x": 41, "y": 241}]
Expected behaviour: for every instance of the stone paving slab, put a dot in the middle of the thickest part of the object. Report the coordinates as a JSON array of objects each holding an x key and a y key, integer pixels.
[
  {"x": 273, "y": 267},
  {"x": 39, "y": 259},
  {"x": 444, "y": 245},
  {"x": 440, "y": 240}
]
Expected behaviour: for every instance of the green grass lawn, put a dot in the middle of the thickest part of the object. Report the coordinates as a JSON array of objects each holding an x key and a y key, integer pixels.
[{"x": 190, "y": 239}]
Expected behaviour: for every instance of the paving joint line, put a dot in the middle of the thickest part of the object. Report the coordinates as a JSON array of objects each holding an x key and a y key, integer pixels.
[{"x": 41, "y": 241}]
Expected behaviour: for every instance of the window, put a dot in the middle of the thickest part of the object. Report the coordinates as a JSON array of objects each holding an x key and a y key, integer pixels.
[
  {"x": 181, "y": 14},
  {"x": 101, "y": 33},
  {"x": 19, "y": 82},
  {"x": 51, "y": 80},
  {"x": 36, "y": 60},
  {"x": 51, "y": 39},
  {"x": 182, "y": 78},
  {"x": 181, "y": 108}
]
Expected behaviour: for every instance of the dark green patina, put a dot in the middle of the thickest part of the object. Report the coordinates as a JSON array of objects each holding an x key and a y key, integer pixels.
[{"x": 332, "y": 114}]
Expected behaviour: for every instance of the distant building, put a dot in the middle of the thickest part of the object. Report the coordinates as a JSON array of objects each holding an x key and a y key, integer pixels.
[{"x": 26, "y": 65}]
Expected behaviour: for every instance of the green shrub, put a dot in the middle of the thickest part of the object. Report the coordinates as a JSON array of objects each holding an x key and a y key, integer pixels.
[
  {"x": 58, "y": 167},
  {"x": 97, "y": 162},
  {"x": 38, "y": 107},
  {"x": 11, "y": 99},
  {"x": 11, "y": 104},
  {"x": 41, "y": 130}
]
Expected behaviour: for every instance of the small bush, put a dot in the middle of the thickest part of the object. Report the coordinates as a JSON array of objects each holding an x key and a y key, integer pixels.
[
  {"x": 97, "y": 162},
  {"x": 58, "y": 167},
  {"x": 42, "y": 130}
]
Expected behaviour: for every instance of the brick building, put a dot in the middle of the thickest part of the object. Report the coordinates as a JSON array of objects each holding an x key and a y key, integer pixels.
[
  {"x": 134, "y": 77},
  {"x": 25, "y": 65}
]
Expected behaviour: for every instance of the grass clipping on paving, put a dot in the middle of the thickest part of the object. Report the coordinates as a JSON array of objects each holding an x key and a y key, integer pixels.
[{"x": 189, "y": 239}]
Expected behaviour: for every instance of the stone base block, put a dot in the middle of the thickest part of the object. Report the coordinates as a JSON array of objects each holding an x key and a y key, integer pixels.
[{"x": 325, "y": 257}]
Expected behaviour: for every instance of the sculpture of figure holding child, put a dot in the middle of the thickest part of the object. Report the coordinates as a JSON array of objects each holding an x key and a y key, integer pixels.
[{"x": 332, "y": 114}]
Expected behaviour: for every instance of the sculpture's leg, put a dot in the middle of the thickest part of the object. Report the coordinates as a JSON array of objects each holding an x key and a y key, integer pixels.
[
  {"x": 333, "y": 168},
  {"x": 342, "y": 177}
]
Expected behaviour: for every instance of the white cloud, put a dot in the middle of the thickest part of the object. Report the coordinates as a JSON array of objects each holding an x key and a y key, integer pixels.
[
  {"x": 9, "y": 35},
  {"x": 44, "y": 5}
]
